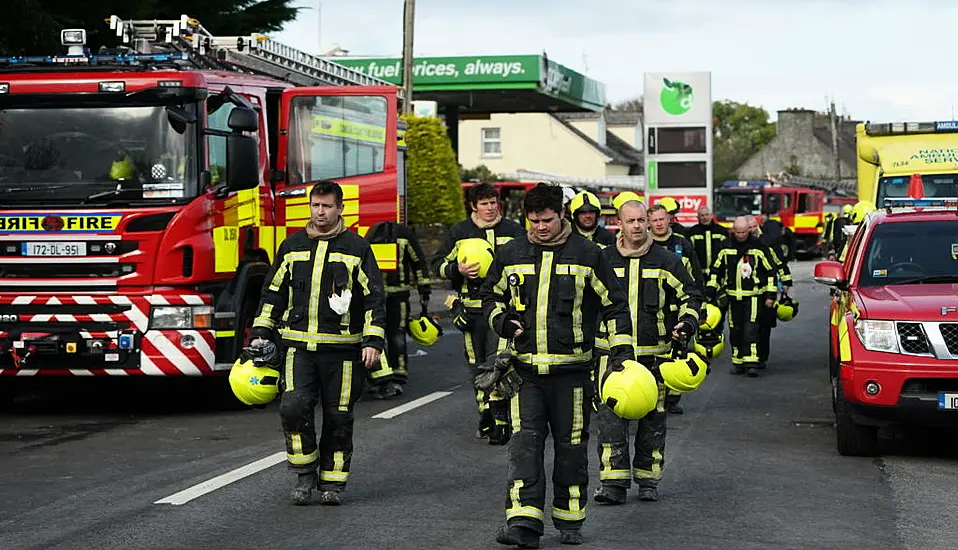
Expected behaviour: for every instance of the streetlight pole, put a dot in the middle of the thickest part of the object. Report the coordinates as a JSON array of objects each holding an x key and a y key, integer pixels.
[{"x": 409, "y": 17}]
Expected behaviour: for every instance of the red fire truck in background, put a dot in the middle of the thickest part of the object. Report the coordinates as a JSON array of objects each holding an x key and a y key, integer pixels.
[
  {"x": 799, "y": 209},
  {"x": 146, "y": 188}
]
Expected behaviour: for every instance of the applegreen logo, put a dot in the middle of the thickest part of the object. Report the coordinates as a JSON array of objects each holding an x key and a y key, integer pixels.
[{"x": 676, "y": 97}]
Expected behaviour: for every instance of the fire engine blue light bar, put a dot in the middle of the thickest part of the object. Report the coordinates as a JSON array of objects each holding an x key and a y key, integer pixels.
[
  {"x": 129, "y": 59},
  {"x": 745, "y": 183},
  {"x": 945, "y": 202}
]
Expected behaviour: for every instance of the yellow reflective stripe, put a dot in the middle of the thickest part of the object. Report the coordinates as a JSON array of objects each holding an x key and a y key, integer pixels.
[
  {"x": 600, "y": 290},
  {"x": 225, "y": 333},
  {"x": 288, "y": 379},
  {"x": 744, "y": 293},
  {"x": 347, "y": 259},
  {"x": 602, "y": 343},
  {"x": 542, "y": 303},
  {"x": 369, "y": 329},
  {"x": 652, "y": 349},
  {"x": 520, "y": 269},
  {"x": 577, "y": 335},
  {"x": 688, "y": 311},
  {"x": 525, "y": 511},
  {"x": 345, "y": 389},
  {"x": 296, "y": 442},
  {"x": 265, "y": 317},
  {"x": 301, "y": 460},
  {"x": 514, "y": 414},
  {"x": 329, "y": 475},
  {"x": 635, "y": 269},
  {"x": 449, "y": 258},
  {"x": 471, "y": 302},
  {"x": 319, "y": 264},
  {"x": 620, "y": 340},
  {"x": 553, "y": 358},
  {"x": 568, "y": 515},
  {"x": 502, "y": 240},
  {"x": 491, "y": 237},
  {"x": 606, "y": 472},
  {"x": 319, "y": 337},
  {"x": 496, "y": 311},
  {"x": 619, "y": 272},
  {"x": 578, "y": 422}
]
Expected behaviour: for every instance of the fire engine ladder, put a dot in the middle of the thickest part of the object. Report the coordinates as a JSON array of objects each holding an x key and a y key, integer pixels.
[
  {"x": 630, "y": 183},
  {"x": 845, "y": 188},
  {"x": 255, "y": 53}
]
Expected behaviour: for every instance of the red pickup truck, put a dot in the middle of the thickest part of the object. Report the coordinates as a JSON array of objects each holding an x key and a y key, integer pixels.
[{"x": 893, "y": 335}]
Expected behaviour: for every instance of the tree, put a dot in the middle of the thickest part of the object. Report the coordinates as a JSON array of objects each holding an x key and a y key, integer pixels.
[
  {"x": 479, "y": 173},
  {"x": 434, "y": 190},
  {"x": 32, "y": 27},
  {"x": 634, "y": 104},
  {"x": 739, "y": 130}
]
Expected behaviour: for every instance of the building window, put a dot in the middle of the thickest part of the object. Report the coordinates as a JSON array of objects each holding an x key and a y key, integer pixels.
[{"x": 491, "y": 142}]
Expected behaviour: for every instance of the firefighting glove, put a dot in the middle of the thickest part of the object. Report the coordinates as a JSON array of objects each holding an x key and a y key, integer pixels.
[
  {"x": 498, "y": 376},
  {"x": 511, "y": 323},
  {"x": 711, "y": 294},
  {"x": 460, "y": 317},
  {"x": 683, "y": 331}
]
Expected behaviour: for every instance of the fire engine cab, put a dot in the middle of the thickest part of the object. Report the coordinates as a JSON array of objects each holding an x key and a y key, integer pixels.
[{"x": 146, "y": 188}]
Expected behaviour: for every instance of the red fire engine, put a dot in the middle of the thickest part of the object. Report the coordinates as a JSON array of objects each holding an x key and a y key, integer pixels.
[{"x": 146, "y": 188}]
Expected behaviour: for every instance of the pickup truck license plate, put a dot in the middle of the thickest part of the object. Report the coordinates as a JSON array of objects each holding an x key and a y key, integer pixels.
[
  {"x": 54, "y": 248},
  {"x": 948, "y": 401}
]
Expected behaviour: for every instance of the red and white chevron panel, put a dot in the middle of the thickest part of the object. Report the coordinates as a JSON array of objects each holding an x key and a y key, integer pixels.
[{"x": 162, "y": 352}]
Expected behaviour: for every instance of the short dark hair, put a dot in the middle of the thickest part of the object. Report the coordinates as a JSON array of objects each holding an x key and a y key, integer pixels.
[
  {"x": 482, "y": 191},
  {"x": 657, "y": 207},
  {"x": 544, "y": 196},
  {"x": 327, "y": 187}
]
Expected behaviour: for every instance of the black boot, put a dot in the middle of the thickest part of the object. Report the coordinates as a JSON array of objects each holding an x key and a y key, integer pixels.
[
  {"x": 649, "y": 493},
  {"x": 304, "y": 488},
  {"x": 331, "y": 498},
  {"x": 523, "y": 537},
  {"x": 608, "y": 494},
  {"x": 500, "y": 434},
  {"x": 486, "y": 423},
  {"x": 570, "y": 536}
]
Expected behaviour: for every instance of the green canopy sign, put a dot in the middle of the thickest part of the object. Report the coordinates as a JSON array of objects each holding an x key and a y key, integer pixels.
[{"x": 490, "y": 72}]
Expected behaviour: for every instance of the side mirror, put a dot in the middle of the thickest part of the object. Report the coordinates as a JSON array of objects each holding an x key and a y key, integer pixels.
[
  {"x": 830, "y": 273},
  {"x": 242, "y": 119},
  {"x": 242, "y": 162}
]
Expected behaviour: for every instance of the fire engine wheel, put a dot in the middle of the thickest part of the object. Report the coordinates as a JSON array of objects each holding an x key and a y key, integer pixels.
[{"x": 852, "y": 439}]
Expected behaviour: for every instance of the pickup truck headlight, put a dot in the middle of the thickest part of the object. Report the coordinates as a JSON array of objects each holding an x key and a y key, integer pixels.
[
  {"x": 181, "y": 317},
  {"x": 877, "y": 335}
]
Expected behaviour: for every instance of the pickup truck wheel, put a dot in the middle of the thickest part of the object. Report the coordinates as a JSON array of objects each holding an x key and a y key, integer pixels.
[{"x": 852, "y": 439}]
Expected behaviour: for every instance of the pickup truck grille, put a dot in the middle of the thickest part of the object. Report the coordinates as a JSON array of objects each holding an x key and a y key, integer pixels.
[
  {"x": 912, "y": 338},
  {"x": 949, "y": 331}
]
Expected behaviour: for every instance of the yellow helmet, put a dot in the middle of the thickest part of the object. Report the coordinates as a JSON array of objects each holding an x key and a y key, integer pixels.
[
  {"x": 684, "y": 375},
  {"x": 671, "y": 205},
  {"x": 623, "y": 198},
  {"x": 846, "y": 210},
  {"x": 630, "y": 390},
  {"x": 709, "y": 345},
  {"x": 786, "y": 309},
  {"x": 476, "y": 250},
  {"x": 584, "y": 199},
  {"x": 860, "y": 210},
  {"x": 424, "y": 330},
  {"x": 253, "y": 385},
  {"x": 713, "y": 316},
  {"x": 122, "y": 169}
]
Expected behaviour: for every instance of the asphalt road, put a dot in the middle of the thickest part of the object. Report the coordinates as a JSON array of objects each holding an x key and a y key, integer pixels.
[{"x": 752, "y": 464}]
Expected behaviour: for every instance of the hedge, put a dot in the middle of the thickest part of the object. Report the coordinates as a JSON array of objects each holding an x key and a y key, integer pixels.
[{"x": 434, "y": 192}]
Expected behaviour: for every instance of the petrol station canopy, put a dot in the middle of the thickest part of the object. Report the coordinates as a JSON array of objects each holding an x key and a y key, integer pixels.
[{"x": 490, "y": 84}]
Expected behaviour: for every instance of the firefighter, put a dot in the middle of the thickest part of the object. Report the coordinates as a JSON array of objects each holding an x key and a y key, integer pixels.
[
  {"x": 707, "y": 237},
  {"x": 546, "y": 293},
  {"x": 585, "y": 209},
  {"x": 323, "y": 302},
  {"x": 486, "y": 223},
  {"x": 656, "y": 283},
  {"x": 836, "y": 239},
  {"x": 673, "y": 208},
  {"x": 663, "y": 235},
  {"x": 747, "y": 275},
  {"x": 411, "y": 268},
  {"x": 768, "y": 319}
]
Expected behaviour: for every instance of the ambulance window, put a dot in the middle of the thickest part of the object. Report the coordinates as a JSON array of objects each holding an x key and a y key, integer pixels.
[{"x": 336, "y": 137}]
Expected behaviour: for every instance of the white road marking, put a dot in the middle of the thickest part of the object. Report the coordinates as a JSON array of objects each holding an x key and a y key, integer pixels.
[
  {"x": 406, "y": 407},
  {"x": 221, "y": 481}
]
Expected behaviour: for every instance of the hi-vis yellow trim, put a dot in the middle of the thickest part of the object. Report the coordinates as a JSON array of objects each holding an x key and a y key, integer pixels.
[
  {"x": 387, "y": 255},
  {"x": 73, "y": 223},
  {"x": 226, "y": 245},
  {"x": 806, "y": 221}
]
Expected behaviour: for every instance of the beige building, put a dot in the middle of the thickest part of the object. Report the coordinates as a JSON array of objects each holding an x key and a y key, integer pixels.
[{"x": 575, "y": 145}]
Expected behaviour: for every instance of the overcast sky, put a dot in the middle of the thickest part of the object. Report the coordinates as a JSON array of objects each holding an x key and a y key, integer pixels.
[{"x": 881, "y": 60}]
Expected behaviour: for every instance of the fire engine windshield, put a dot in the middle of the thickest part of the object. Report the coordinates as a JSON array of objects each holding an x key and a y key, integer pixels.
[
  {"x": 893, "y": 258},
  {"x": 78, "y": 155},
  {"x": 935, "y": 185},
  {"x": 730, "y": 205}
]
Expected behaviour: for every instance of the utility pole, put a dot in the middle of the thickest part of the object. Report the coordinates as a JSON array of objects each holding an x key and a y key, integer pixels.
[
  {"x": 409, "y": 19},
  {"x": 838, "y": 161}
]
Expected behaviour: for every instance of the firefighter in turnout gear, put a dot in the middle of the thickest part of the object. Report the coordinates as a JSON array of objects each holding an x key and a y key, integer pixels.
[
  {"x": 485, "y": 223},
  {"x": 663, "y": 235},
  {"x": 411, "y": 269},
  {"x": 835, "y": 239},
  {"x": 672, "y": 208},
  {"x": 548, "y": 292},
  {"x": 655, "y": 280},
  {"x": 769, "y": 318},
  {"x": 323, "y": 303},
  {"x": 585, "y": 209},
  {"x": 708, "y": 238},
  {"x": 747, "y": 275}
]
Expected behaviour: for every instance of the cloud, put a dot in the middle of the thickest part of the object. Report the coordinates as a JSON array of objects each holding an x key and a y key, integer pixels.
[{"x": 882, "y": 59}]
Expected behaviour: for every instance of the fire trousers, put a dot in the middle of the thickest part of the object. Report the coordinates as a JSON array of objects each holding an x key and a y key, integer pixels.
[
  {"x": 560, "y": 403},
  {"x": 744, "y": 329},
  {"x": 613, "y": 447},
  {"x": 767, "y": 320},
  {"x": 334, "y": 380},
  {"x": 480, "y": 343},
  {"x": 397, "y": 317}
]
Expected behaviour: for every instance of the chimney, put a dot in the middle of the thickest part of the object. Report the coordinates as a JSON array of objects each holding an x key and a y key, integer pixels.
[{"x": 795, "y": 123}]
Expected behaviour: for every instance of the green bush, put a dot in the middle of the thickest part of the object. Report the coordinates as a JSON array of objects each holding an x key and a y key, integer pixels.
[{"x": 433, "y": 192}]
